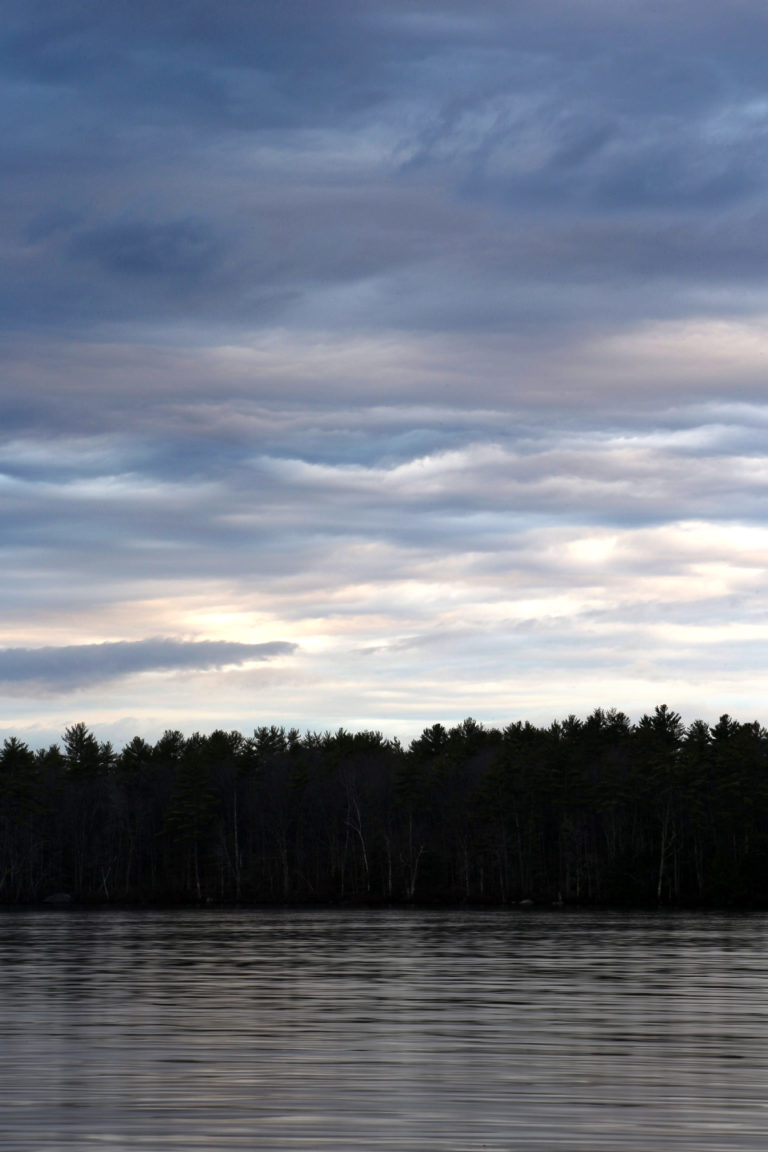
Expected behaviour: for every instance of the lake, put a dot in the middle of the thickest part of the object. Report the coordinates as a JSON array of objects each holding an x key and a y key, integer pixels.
[{"x": 495, "y": 1030}]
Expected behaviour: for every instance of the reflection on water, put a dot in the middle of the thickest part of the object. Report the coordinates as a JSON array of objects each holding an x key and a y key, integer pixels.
[{"x": 394, "y": 1030}]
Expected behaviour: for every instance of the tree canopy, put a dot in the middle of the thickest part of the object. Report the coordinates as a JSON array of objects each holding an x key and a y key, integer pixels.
[{"x": 597, "y": 810}]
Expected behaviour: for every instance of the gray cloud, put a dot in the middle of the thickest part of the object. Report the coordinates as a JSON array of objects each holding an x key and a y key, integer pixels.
[
  {"x": 242, "y": 165},
  {"x": 178, "y": 251},
  {"x": 62, "y": 669}
]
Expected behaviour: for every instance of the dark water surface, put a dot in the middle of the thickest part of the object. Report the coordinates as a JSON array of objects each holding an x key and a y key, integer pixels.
[{"x": 389, "y": 1030}]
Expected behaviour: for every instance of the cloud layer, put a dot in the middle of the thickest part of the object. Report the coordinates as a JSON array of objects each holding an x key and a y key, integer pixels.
[
  {"x": 76, "y": 665},
  {"x": 420, "y": 348}
]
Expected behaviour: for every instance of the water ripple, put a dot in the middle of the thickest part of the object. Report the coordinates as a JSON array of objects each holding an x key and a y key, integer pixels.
[{"x": 498, "y": 1030}]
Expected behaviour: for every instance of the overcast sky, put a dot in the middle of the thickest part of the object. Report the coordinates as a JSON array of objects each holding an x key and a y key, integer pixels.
[{"x": 381, "y": 363}]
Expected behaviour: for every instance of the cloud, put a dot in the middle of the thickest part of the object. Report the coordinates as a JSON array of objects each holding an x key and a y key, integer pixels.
[
  {"x": 62, "y": 669},
  {"x": 178, "y": 250},
  {"x": 365, "y": 168},
  {"x": 430, "y": 332}
]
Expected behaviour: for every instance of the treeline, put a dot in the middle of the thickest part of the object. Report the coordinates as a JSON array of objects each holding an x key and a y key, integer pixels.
[{"x": 592, "y": 811}]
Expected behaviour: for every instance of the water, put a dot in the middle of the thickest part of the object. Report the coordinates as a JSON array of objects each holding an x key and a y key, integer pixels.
[{"x": 498, "y": 1030}]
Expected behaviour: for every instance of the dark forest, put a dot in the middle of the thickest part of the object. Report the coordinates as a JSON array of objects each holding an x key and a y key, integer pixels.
[{"x": 594, "y": 811}]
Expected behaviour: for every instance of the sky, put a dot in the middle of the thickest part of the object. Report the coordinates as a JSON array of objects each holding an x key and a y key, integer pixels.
[{"x": 380, "y": 364}]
